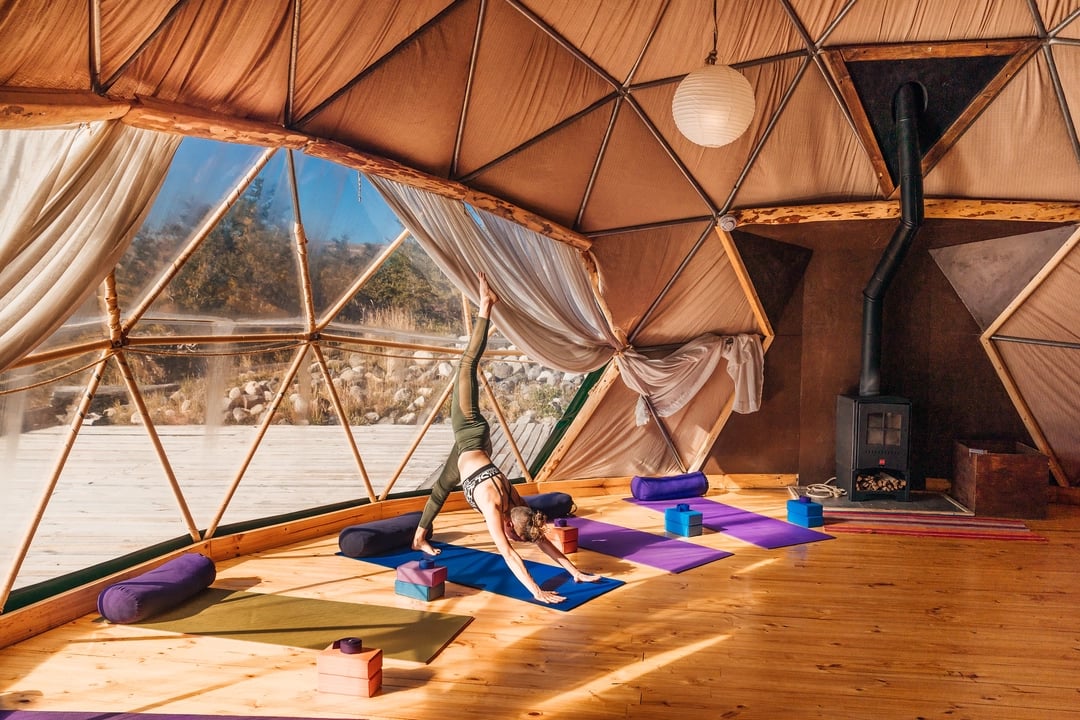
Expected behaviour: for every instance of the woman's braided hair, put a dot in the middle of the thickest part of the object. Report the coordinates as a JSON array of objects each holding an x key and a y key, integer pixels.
[{"x": 528, "y": 524}]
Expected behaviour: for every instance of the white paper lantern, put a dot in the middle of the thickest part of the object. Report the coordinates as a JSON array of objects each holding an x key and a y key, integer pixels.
[{"x": 713, "y": 105}]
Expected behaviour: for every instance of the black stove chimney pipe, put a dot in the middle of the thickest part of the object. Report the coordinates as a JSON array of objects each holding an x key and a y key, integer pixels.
[{"x": 908, "y": 102}]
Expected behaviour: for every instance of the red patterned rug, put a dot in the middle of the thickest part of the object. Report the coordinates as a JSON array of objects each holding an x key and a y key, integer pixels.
[{"x": 923, "y": 525}]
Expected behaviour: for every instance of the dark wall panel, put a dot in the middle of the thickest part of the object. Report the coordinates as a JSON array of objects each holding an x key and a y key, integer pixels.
[{"x": 930, "y": 354}]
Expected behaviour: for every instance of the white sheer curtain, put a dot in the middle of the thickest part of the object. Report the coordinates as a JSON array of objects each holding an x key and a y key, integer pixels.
[
  {"x": 549, "y": 308},
  {"x": 74, "y": 198}
]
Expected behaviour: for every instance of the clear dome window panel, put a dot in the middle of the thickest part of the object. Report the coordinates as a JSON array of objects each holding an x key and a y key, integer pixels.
[
  {"x": 112, "y": 495},
  {"x": 407, "y": 299},
  {"x": 245, "y": 270},
  {"x": 47, "y": 394},
  {"x": 87, "y": 324},
  {"x": 347, "y": 224},
  {"x": 531, "y": 397},
  {"x": 305, "y": 459},
  {"x": 202, "y": 175}
]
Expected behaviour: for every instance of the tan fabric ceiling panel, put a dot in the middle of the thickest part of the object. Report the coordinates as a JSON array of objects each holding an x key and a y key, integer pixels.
[
  {"x": 124, "y": 27},
  {"x": 409, "y": 107},
  {"x": 543, "y": 177},
  {"x": 186, "y": 62},
  {"x": 706, "y": 297},
  {"x": 637, "y": 181},
  {"x": 525, "y": 83},
  {"x": 338, "y": 41},
  {"x": 812, "y": 155},
  {"x": 817, "y": 15},
  {"x": 695, "y": 428},
  {"x": 1067, "y": 63},
  {"x": 1009, "y": 153},
  {"x": 628, "y": 292},
  {"x": 891, "y": 22},
  {"x": 718, "y": 169},
  {"x": 683, "y": 53},
  {"x": 1048, "y": 379},
  {"x": 1055, "y": 12},
  {"x": 610, "y": 445},
  {"x": 612, "y": 34},
  {"x": 53, "y": 59},
  {"x": 1051, "y": 311}
]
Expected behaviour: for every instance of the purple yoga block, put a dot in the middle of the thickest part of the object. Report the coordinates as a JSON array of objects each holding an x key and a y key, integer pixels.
[
  {"x": 163, "y": 588},
  {"x": 672, "y": 487},
  {"x": 415, "y": 572}
]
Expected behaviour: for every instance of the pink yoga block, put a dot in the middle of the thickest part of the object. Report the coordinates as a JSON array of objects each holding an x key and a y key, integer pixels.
[{"x": 412, "y": 572}]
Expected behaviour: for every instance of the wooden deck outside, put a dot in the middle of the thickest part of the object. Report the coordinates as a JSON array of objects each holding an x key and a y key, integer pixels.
[
  {"x": 113, "y": 496},
  {"x": 861, "y": 626}
]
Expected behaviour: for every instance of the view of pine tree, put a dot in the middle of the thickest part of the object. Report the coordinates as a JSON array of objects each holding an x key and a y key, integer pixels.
[{"x": 245, "y": 267}]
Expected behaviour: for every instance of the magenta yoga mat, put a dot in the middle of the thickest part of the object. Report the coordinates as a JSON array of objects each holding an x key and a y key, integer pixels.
[{"x": 760, "y": 530}]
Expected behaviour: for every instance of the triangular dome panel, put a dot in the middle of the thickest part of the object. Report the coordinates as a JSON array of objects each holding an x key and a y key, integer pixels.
[
  {"x": 408, "y": 108},
  {"x": 540, "y": 177},
  {"x": 1022, "y": 129},
  {"x": 990, "y": 274},
  {"x": 339, "y": 41},
  {"x": 624, "y": 188},
  {"x": 511, "y": 99}
]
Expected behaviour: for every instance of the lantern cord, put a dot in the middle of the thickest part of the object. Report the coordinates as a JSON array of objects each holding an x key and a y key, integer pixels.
[{"x": 711, "y": 59}]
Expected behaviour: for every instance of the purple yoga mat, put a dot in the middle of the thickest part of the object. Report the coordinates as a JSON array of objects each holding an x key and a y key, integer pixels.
[
  {"x": 750, "y": 527},
  {"x": 641, "y": 547}
]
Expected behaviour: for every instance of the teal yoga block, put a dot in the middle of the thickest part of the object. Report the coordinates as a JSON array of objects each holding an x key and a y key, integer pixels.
[
  {"x": 418, "y": 591},
  {"x": 805, "y": 512}
]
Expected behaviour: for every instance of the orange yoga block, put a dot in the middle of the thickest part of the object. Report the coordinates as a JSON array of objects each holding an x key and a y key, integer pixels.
[
  {"x": 564, "y": 537},
  {"x": 357, "y": 673},
  {"x": 344, "y": 685}
]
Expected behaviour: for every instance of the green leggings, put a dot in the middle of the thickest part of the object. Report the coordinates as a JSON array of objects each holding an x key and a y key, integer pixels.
[{"x": 471, "y": 431}]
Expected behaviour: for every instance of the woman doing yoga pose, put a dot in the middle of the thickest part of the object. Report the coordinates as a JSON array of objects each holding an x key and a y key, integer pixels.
[{"x": 486, "y": 488}]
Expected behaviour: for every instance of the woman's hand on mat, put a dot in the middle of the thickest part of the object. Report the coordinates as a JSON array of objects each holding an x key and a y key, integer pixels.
[
  {"x": 586, "y": 577},
  {"x": 547, "y": 596}
]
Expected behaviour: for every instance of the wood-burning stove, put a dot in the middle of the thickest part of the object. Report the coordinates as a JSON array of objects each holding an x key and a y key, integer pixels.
[
  {"x": 873, "y": 447},
  {"x": 873, "y": 433}
]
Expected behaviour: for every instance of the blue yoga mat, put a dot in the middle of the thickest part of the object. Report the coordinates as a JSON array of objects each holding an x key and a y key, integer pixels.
[
  {"x": 760, "y": 530},
  {"x": 488, "y": 571},
  {"x": 641, "y": 547}
]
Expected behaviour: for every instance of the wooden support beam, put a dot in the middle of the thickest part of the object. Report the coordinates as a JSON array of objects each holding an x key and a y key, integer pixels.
[
  {"x": 934, "y": 208},
  {"x": 22, "y": 108},
  {"x": 392, "y": 170},
  {"x": 153, "y": 114}
]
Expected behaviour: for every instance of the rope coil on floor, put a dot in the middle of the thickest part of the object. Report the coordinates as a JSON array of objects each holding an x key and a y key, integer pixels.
[{"x": 825, "y": 490}]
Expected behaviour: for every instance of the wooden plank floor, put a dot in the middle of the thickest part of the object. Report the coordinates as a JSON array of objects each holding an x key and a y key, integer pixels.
[{"x": 861, "y": 626}]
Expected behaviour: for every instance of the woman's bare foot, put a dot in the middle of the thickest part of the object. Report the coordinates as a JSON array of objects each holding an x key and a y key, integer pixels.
[
  {"x": 420, "y": 542},
  {"x": 487, "y": 295}
]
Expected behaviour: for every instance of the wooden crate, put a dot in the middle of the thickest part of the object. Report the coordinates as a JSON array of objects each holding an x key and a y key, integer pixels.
[{"x": 1000, "y": 478}]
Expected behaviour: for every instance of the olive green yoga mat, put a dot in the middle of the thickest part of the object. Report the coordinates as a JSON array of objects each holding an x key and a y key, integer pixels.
[{"x": 310, "y": 623}]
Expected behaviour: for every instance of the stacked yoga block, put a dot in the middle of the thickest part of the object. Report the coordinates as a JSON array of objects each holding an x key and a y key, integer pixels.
[
  {"x": 805, "y": 512},
  {"x": 349, "y": 668},
  {"x": 563, "y": 536},
  {"x": 421, "y": 579},
  {"x": 681, "y": 520}
]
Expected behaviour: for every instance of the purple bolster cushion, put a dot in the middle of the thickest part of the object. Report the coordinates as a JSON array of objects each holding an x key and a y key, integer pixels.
[
  {"x": 379, "y": 537},
  {"x": 693, "y": 484},
  {"x": 157, "y": 590},
  {"x": 552, "y": 504}
]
